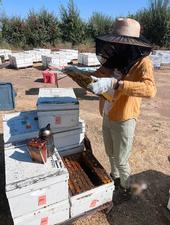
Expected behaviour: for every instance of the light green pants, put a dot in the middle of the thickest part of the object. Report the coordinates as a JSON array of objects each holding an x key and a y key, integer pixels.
[{"x": 118, "y": 139}]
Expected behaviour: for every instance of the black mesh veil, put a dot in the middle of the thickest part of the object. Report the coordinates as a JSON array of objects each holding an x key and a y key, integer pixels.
[{"x": 121, "y": 56}]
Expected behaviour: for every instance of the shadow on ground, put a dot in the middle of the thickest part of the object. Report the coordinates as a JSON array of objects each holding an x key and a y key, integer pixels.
[
  {"x": 39, "y": 80},
  {"x": 148, "y": 209},
  {"x": 15, "y": 68},
  {"x": 32, "y": 91},
  {"x": 4, "y": 65}
]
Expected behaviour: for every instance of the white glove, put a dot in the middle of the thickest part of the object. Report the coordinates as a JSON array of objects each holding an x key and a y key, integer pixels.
[{"x": 101, "y": 85}]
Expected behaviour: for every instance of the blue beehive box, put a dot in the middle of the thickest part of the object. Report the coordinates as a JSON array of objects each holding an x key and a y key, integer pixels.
[{"x": 7, "y": 97}]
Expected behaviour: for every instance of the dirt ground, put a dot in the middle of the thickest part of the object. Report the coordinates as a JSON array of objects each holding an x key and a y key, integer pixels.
[{"x": 149, "y": 159}]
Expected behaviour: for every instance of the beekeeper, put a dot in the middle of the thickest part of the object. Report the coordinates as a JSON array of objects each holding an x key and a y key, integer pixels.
[{"x": 126, "y": 53}]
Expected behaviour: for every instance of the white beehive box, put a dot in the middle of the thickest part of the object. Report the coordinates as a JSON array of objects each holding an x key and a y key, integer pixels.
[
  {"x": 80, "y": 58},
  {"x": 20, "y": 126},
  {"x": 43, "y": 51},
  {"x": 156, "y": 60},
  {"x": 71, "y": 151},
  {"x": 44, "y": 61},
  {"x": 64, "y": 60},
  {"x": 91, "y": 199},
  {"x": 90, "y": 59},
  {"x": 69, "y": 138},
  {"x": 21, "y": 60},
  {"x": 85, "y": 170},
  {"x": 40, "y": 190},
  {"x": 165, "y": 58},
  {"x": 54, "y": 59},
  {"x": 31, "y": 186},
  {"x": 69, "y": 54},
  {"x": 59, "y": 107},
  {"x": 53, "y": 214},
  {"x": 58, "y": 59},
  {"x": 51, "y": 60},
  {"x": 11, "y": 58},
  {"x": 36, "y": 55}
]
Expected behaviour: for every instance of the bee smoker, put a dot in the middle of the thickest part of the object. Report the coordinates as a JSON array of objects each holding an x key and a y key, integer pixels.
[{"x": 45, "y": 134}]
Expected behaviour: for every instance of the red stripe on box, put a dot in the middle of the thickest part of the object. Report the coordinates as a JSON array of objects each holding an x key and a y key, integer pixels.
[
  {"x": 42, "y": 200},
  {"x": 44, "y": 221}
]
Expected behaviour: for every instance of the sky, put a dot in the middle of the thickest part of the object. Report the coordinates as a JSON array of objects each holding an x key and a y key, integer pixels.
[{"x": 112, "y": 8}]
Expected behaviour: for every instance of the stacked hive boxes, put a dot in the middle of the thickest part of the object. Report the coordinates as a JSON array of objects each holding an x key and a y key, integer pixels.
[
  {"x": 20, "y": 60},
  {"x": 59, "y": 107},
  {"x": 46, "y": 59},
  {"x": 70, "y": 54},
  {"x": 59, "y": 58},
  {"x": 160, "y": 57},
  {"x": 36, "y": 55},
  {"x": 88, "y": 59},
  {"x": 43, "y": 51},
  {"x": 156, "y": 60},
  {"x": 37, "y": 193},
  {"x": 165, "y": 58},
  {"x": 53, "y": 60}
]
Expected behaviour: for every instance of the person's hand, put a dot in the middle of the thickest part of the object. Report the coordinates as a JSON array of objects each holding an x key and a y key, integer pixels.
[{"x": 101, "y": 85}]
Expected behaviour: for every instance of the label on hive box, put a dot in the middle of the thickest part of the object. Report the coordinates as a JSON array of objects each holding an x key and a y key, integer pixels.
[
  {"x": 44, "y": 221},
  {"x": 42, "y": 200},
  {"x": 58, "y": 120},
  {"x": 93, "y": 203}
]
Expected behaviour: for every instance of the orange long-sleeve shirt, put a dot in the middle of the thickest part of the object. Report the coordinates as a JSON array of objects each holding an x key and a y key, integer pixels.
[{"x": 138, "y": 83}]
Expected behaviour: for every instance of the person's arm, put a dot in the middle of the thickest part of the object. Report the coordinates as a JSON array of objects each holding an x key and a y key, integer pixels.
[{"x": 145, "y": 87}]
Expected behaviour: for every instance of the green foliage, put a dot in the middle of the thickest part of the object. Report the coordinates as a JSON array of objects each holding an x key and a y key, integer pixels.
[
  {"x": 155, "y": 22},
  {"x": 41, "y": 28},
  {"x": 13, "y": 30},
  {"x": 72, "y": 27},
  {"x": 99, "y": 24}
]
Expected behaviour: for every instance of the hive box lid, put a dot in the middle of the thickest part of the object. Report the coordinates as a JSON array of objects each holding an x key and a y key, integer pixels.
[
  {"x": 56, "y": 96},
  {"x": 22, "y": 172},
  {"x": 7, "y": 96},
  {"x": 20, "y": 126}
]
